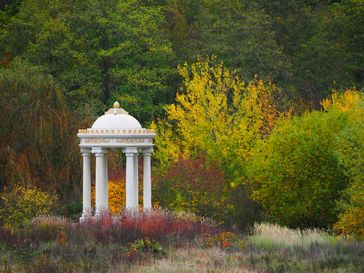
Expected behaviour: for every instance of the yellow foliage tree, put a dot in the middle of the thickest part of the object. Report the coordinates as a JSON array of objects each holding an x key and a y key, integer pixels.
[
  {"x": 217, "y": 113},
  {"x": 343, "y": 102}
]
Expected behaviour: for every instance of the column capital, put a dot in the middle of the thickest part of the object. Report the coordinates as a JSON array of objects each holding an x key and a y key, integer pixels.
[
  {"x": 147, "y": 151},
  {"x": 130, "y": 151},
  {"x": 99, "y": 151},
  {"x": 85, "y": 151}
]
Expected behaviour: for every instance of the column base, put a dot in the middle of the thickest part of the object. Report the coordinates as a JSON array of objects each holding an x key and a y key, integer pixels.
[
  {"x": 101, "y": 212},
  {"x": 85, "y": 216}
]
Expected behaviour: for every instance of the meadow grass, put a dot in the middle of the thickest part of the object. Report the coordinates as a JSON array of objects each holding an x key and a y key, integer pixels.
[
  {"x": 173, "y": 243},
  {"x": 270, "y": 235},
  {"x": 276, "y": 249},
  {"x": 195, "y": 259}
]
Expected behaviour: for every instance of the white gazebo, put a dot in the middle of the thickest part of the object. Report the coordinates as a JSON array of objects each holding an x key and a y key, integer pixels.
[{"x": 116, "y": 129}]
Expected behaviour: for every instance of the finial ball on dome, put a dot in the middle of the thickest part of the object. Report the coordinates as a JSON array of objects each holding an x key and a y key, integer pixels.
[{"x": 116, "y": 104}]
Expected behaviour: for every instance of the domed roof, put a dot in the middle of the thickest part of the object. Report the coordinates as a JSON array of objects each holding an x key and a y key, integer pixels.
[{"x": 116, "y": 118}]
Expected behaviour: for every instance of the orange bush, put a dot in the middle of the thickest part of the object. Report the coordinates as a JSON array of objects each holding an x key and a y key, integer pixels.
[{"x": 117, "y": 196}]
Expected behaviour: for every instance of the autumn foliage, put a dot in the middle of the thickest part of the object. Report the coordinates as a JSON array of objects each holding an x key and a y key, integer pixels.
[
  {"x": 36, "y": 135},
  {"x": 298, "y": 165},
  {"x": 232, "y": 150},
  {"x": 160, "y": 225},
  {"x": 193, "y": 185},
  {"x": 219, "y": 114},
  {"x": 116, "y": 191},
  {"x": 20, "y": 204},
  {"x": 222, "y": 117}
]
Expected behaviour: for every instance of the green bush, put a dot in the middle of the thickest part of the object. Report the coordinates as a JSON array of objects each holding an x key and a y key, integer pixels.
[
  {"x": 143, "y": 248},
  {"x": 300, "y": 172},
  {"x": 71, "y": 209},
  {"x": 21, "y": 204},
  {"x": 296, "y": 174}
]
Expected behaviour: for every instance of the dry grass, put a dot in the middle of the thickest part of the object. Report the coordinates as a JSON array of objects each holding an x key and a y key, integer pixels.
[
  {"x": 51, "y": 244},
  {"x": 49, "y": 221},
  {"x": 212, "y": 260},
  {"x": 268, "y": 234}
]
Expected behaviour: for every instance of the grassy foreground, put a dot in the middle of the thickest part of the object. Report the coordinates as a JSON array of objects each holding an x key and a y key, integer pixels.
[
  {"x": 166, "y": 242},
  {"x": 270, "y": 249}
]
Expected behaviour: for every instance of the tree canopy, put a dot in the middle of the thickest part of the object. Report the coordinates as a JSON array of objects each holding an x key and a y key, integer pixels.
[{"x": 98, "y": 50}]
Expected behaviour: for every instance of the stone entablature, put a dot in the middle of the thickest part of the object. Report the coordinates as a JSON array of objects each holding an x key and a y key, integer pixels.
[
  {"x": 85, "y": 132},
  {"x": 115, "y": 138},
  {"x": 116, "y": 142}
]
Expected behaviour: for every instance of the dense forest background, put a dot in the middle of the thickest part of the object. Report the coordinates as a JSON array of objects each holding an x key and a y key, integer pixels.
[
  {"x": 130, "y": 50},
  {"x": 63, "y": 63}
]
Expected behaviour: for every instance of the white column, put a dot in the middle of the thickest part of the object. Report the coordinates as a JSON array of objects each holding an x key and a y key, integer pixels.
[
  {"x": 106, "y": 182},
  {"x": 130, "y": 194},
  {"x": 101, "y": 189},
  {"x": 147, "y": 178},
  {"x": 86, "y": 184},
  {"x": 136, "y": 182}
]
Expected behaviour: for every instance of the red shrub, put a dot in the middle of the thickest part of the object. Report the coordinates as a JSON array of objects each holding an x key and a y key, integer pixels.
[
  {"x": 156, "y": 225},
  {"x": 194, "y": 185}
]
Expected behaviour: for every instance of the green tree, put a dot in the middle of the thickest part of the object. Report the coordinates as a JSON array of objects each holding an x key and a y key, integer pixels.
[
  {"x": 297, "y": 174},
  {"x": 322, "y": 40},
  {"x": 243, "y": 38},
  {"x": 98, "y": 50},
  {"x": 133, "y": 57},
  {"x": 236, "y": 32},
  {"x": 8, "y": 8},
  {"x": 347, "y": 25},
  {"x": 182, "y": 28}
]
